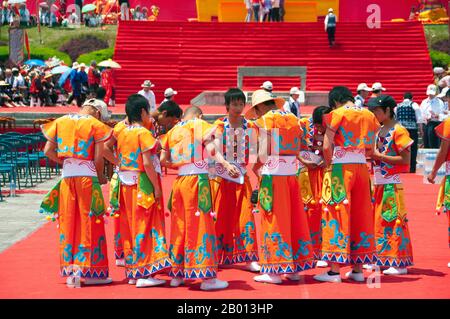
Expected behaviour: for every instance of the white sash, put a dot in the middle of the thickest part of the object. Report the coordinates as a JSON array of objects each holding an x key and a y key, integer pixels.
[
  {"x": 128, "y": 177},
  {"x": 222, "y": 172},
  {"x": 281, "y": 165},
  {"x": 311, "y": 156},
  {"x": 379, "y": 179},
  {"x": 73, "y": 167},
  {"x": 196, "y": 168},
  {"x": 348, "y": 156}
]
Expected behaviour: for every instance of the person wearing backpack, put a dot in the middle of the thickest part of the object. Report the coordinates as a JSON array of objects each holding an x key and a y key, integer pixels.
[
  {"x": 408, "y": 114},
  {"x": 330, "y": 26}
]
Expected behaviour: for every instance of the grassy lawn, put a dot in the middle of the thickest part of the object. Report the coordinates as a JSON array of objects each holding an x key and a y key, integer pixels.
[
  {"x": 55, "y": 37},
  {"x": 436, "y": 33}
]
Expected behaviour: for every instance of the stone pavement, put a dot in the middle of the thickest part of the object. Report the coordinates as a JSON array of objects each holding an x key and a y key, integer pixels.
[{"x": 19, "y": 215}]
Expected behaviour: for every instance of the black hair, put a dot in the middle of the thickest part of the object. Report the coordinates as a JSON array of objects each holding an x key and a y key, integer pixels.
[
  {"x": 408, "y": 95},
  {"x": 340, "y": 94},
  {"x": 234, "y": 94},
  {"x": 134, "y": 106},
  {"x": 100, "y": 93},
  {"x": 319, "y": 112},
  {"x": 172, "y": 109}
]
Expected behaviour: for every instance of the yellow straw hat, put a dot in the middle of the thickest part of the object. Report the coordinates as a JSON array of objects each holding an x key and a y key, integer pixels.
[{"x": 261, "y": 96}]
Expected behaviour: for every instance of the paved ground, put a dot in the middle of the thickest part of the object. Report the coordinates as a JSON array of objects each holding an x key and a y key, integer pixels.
[{"x": 19, "y": 215}]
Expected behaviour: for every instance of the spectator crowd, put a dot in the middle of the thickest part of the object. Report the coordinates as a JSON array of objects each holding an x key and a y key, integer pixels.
[{"x": 42, "y": 86}]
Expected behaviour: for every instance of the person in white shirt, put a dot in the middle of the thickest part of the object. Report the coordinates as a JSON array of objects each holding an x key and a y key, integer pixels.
[
  {"x": 293, "y": 105},
  {"x": 330, "y": 26},
  {"x": 433, "y": 111},
  {"x": 377, "y": 89},
  {"x": 444, "y": 95},
  {"x": 408, "y": 114},
  {"x": 267, "y": 86},
  {"x": 362, "y": 94},
  {"x": 169, "y": 93},
  {"x": 148, "y": 94},
  {"x": 275, "y": 10},
  {"x": 248, "y": 7},
  {"x": 444, "y": 81}
]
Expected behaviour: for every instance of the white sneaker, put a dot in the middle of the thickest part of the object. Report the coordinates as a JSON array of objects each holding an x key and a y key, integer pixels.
[
  {"x": 327, "y": 278},
  {"x": 268, "y": 278},
  {"x": 149, "y": 282},
  {"x": 120, "y": 262},
  {"x": 96, "y": 281},
  {"x": 369, "y": 267},
  {"x": 213, "y": 284},
  {"x": 253, "y": 266},
  {"x": 358, "y": 276},
  {"x": 73, "y": 282},
  {"x": 395, "y": 271},
  {"x": 132, "y": 281},
  {"x": 321, "y": 264},
  {"x": 294, "y": 277},
  {"x": 175, "y": 282}
]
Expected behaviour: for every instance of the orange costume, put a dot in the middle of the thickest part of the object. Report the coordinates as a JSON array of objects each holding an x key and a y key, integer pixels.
[
  {"x": 285, "y": 242},
  {"x": 114, "y": 200},
  {"x": 77, "y": 201},
  {"x": 141, "y": 217},
  {"x": 443, "y": 131},
  {"x": 348, "y": 217},
  {"x": 193, "y": 242},
  {"x": 310, "y": 180},
  {"x": 235, "y": 225},
  {"x": 391, "y": 229}
]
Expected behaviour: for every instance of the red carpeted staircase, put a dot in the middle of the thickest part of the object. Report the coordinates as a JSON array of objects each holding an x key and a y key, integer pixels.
[{"x": 194, "y": 57}]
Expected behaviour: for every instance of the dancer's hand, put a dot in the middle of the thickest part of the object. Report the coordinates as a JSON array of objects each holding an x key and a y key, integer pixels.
[
  {"x": 232, "y": 170},
  {"x": 310, "y": 164},
  {"x": 322, "y": 164},
  {"x": 102, "y": 179},
  {"x": 376, "y": 155},
  {"x": 157, "y": 193},
  {"x": 431, "y": 177}
]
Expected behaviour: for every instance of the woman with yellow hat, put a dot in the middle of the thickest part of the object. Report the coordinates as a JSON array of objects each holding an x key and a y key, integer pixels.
[{"x": 285, "y": 240}]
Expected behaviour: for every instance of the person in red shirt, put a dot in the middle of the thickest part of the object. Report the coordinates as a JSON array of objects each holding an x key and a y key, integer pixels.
[
  {"x": 107, "y": 82},
  {"x": 93, "y": 77}
]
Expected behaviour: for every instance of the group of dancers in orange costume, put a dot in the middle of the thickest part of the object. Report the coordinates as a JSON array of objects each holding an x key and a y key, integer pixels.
[{"x": 314, "y": 204}]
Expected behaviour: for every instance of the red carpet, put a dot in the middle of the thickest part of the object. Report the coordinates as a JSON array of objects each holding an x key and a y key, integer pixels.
[
  {"x": 194, "y": 57},
  {"x": 29, "y": 269}
]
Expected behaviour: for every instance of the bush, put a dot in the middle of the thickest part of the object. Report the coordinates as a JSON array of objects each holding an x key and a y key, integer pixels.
[
  {"x": 98, "y": 56},
  {"x": 440, "y": 59},
  {"x": 41, "y": 53},
  {"x": 4, "y": 53},
  {"x": 442, "y": 46},
  {"x": 83, "y": 44}
]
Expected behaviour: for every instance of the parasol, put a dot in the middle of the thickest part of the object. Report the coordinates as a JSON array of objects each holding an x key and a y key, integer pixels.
[
  {"x": 110, "y": 64},
  {"x": 88, "y": 8},
  {"x": 60, "y": 69}
]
